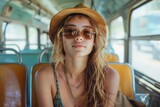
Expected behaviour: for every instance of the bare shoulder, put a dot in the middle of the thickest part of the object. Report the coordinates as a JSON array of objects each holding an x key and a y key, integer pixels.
[
  {"x": 112, "y": 80},
  {"x": 111, "y": 73},
  {"x": 45, "y": 86},
  {"x": 44, "y": 73}
]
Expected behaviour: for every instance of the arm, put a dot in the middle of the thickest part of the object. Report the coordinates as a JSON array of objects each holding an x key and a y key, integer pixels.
[
  {"x": 43, "y": 79},
  {"x": 112, "y": 86}
]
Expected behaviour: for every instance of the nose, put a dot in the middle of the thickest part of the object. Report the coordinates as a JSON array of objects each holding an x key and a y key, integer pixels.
[{"x": 79, "y": 38}]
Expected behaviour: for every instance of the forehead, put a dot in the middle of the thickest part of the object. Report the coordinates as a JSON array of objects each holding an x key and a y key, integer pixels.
[{"x": 79, "y": 20}]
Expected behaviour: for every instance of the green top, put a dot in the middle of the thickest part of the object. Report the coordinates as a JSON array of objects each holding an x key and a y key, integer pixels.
[{"x": 57, "y": 102}]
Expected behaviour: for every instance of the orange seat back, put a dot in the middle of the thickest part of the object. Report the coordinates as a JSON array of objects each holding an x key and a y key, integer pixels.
[
  {"x": 127, "y": 84},
  {"x": 34, "y": 70},
  {"x": 126, "y": 80},
  {"x": 12, "y": 85},
  {"x": 111, "y": 58}
]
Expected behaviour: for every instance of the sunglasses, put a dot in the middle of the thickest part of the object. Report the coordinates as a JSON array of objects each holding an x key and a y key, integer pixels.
[{"x": 71, "y": 32}]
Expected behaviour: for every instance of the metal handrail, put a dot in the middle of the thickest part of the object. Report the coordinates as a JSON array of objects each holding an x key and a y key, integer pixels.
[
  {"x": 5, "y": 46},
  {"x": 42, "y": 53},
  {"x": 16, "y": 52}
]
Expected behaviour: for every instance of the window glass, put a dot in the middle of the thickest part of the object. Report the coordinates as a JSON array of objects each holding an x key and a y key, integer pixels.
[
  {"x": 117, "y": 28},
  {"x": 108, "y": 48},
  {"x": 45, "y": 41},
  {"x": 118, "y": 47},
  {"x": 15, "y": 32},
  {"x": 117, "y": 32},
  {"x": 16, "y": 35},
  {"x": 44, "y": 38},
  {"x": 33, "y": 38},
  {"x": 145, "y": 20},
  {"x": 146, "y": 57}
]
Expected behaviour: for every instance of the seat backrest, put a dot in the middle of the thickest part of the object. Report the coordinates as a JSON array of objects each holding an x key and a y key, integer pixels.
[
  {"x": 127, "y": 85},
  {"x": 109, "y": 57},
  {"x": 127, "y": 82},
  {"x": 34, "y": 70},
  {"x": 12, "y": 85}
]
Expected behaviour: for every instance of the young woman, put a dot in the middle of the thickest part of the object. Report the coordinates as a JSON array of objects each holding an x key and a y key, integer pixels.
[{"x": 79, "y": 76}]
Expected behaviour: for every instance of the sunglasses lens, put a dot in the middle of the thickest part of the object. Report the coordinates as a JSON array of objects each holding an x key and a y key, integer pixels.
[
  {"x": 88, "y": 33},
  {"x": 71, "y": 32}
]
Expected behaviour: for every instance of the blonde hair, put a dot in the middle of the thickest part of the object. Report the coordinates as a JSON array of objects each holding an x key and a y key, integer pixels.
[{"x": 95, "y": 76}]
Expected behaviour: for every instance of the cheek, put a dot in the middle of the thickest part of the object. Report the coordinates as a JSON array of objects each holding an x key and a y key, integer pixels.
[
  {"x": 64, "y": 41},
  {"x": 91, "y": 44},
  {"x": 66, "y": 44}
]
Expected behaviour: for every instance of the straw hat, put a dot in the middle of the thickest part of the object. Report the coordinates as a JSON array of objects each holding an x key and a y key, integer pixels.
[{"x": 80, "y": 8}]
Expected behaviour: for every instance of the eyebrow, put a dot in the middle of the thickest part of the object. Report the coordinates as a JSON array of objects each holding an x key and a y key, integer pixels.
[{"x": 75, "y": 25}]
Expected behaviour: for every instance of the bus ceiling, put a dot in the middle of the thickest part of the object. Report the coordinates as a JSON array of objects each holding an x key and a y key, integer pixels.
[
  {"x": 25, "y": 12},
  {"x": 39, "y": 12}
]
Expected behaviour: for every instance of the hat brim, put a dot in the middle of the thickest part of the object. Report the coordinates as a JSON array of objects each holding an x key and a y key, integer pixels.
[{"x": 64, "y": 13}]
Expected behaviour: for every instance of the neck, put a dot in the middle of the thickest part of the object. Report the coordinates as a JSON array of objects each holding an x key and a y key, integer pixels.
[{"x": 75, "y": 67}]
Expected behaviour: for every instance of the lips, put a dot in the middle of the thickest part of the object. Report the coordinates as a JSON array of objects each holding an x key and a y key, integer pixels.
[{"x": 78, "y": 46}]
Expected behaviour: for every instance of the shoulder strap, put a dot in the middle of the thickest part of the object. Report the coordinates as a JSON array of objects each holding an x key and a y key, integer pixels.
[
  {"x": 58, "y": 101},
  {"x": 55, "y": 77}
]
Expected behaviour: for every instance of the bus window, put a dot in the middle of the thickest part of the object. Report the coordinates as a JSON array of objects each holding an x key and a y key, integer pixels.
[
  {"x": 33, "y": 38},
  {"x": 118, "y": 46},
  {"x": 145, "y": 20},
  {"x": 117, "y": 29},
  {"x": 147, "y": 59},
  {"x": 44, "y": 39},
  {"x": 116, "y": 37},
  {"x": 15, "y": 34},
  {"x": 145, "y": 53}
]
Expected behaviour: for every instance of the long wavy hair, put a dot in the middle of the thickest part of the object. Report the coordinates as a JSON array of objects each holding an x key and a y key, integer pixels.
[{"x": 94, "y": 93}]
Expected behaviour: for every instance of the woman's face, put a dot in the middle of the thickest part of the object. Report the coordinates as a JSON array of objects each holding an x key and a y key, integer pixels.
[{"x": 78, "y": 36}]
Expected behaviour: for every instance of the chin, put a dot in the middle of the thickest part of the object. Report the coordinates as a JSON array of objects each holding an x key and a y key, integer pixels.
[{"x": 81, "y": 54}]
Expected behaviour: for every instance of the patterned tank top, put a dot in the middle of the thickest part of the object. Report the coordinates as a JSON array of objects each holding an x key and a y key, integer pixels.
[{"x": 57, "y": 101}]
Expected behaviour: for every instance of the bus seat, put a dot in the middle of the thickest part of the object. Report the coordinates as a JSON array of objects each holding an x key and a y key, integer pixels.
[
  {"x": 12, "y": 85},
  {"x": 110, "y": 57},
  {"x": 34, "y": 97},
  {"x": 127, "y": 83}
]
